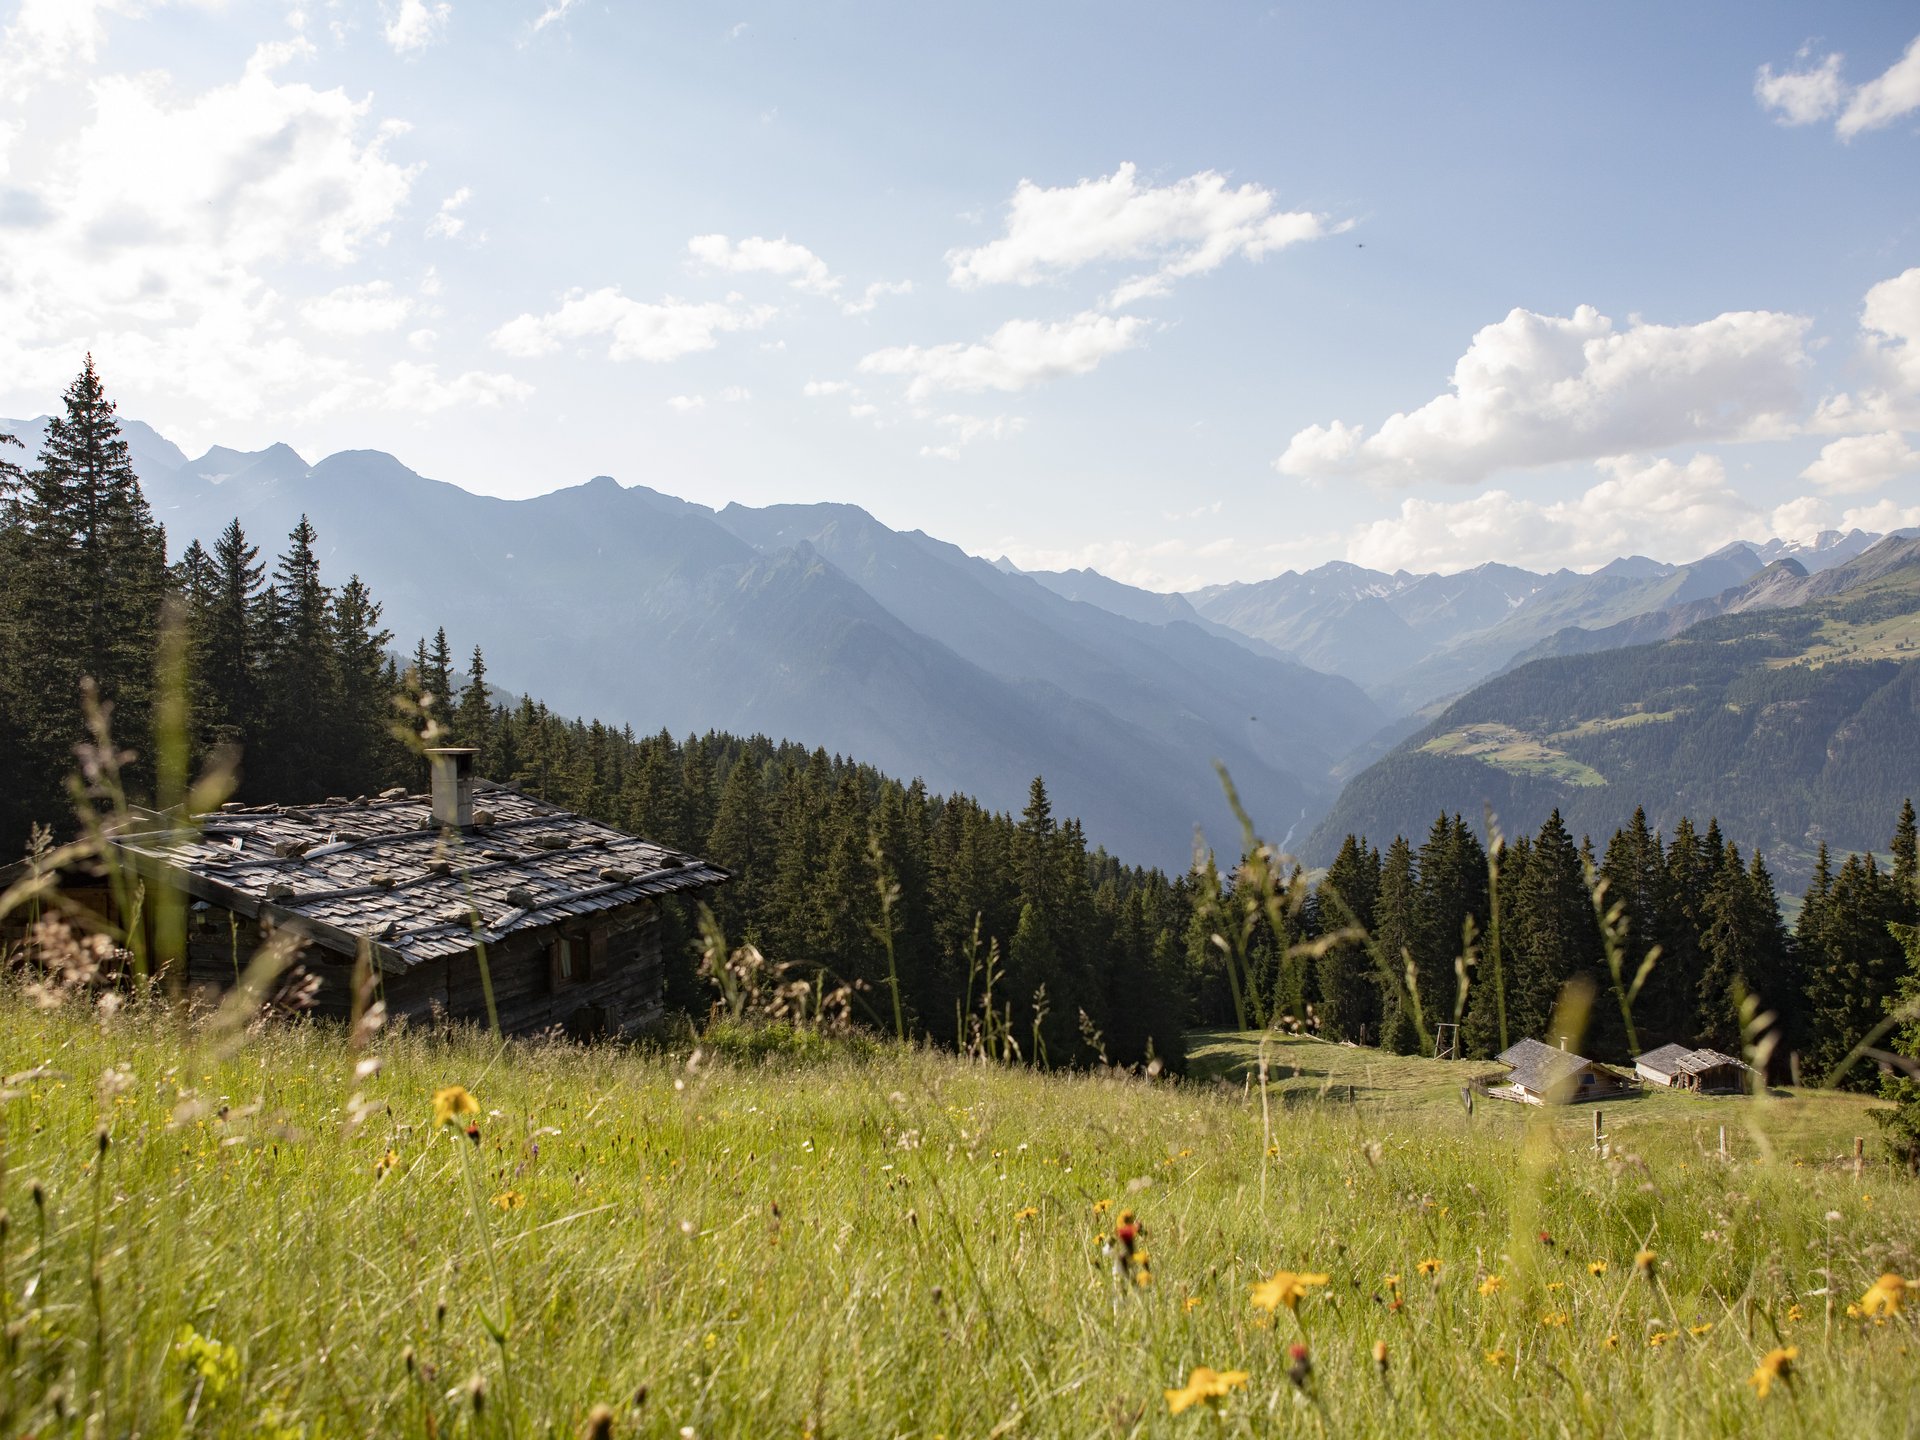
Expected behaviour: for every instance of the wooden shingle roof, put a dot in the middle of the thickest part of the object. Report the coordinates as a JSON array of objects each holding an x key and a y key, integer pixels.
[
  {"x": 1539, "y": 1067},
  {"x": 381, "y": 871},
  {"x": 1678, "y": 1060}
]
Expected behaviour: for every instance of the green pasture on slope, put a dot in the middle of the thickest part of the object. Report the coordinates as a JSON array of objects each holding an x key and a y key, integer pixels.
[{"x": 276, "y": 1239}]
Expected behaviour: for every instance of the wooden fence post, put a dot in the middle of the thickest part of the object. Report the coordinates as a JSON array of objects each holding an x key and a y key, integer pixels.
[{"x": 1859, "y": 1156}]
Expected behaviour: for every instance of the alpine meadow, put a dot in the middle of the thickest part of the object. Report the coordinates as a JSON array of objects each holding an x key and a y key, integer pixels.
[{"x": 1157, "y": 724}]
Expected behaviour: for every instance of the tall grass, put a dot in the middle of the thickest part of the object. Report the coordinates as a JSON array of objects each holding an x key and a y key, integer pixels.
[{"x": 257, "y": 1234}]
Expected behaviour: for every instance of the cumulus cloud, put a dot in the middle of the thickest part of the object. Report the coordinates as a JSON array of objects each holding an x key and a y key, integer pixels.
[
  {"x": 358, "y": 309},
  {"x": 1859, "y": 463},
  {"x": 1678, "y": 511},
  {"x": 418, "y": 388},
  {"x": 1817, "y": 92},
  {"x": 685, "y": 404},
  {"x": 1186, "y": 228},
  {"x": 1881, "y": 516},
  {"x": 635, "y": 330},
  {"x": 1020, "y": 353},
  {"x": 1537, "y": 390},
  {"x": 1890, "y": 346},
  {"x": 447, "y": 222},
  {"x": 162, "y": 225},
  {"x": 814, "y": 389},
  {"x": 415, "y": 24},
  {"x": 792, "y": 262}
]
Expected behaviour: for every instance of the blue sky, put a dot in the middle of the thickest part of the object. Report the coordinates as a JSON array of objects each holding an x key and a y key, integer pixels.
[{"x": 1132, "y": 286}]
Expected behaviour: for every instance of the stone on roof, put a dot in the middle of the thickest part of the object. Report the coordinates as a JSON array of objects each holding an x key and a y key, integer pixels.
[{"x": 379, "y": 870}]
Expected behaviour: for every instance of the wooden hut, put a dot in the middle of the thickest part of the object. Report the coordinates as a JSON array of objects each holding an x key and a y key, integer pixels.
[
  {"x": 1702, "y": 1071},
  {"x": 1539, "y": 1074},
  {"x": 563, "y": 909}
]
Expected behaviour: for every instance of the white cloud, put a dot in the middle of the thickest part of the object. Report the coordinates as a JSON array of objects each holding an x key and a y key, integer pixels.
[
  {"x": 447, "y": 223},
  {"x": 1020, "y": 353},
  {"x": 160, "y": 228},
  {"x": 554, "y": 12},
  {"x": 421, "y": 340},
  {"x": 1542, "y": 389},
  {"x": 1678, "y": 511},
  {"x": 863, "y": 410},
  {"x": 736, "y": 394},
  {"x": 415, "y": 24},
  {"x": 792, "y": 262},
  {"x": 1882, "y": 516},
  {"x": 1800, "y": 519},
  {"x": 874, "y": 293},
  {"x": 358, "y": 310},
  {"x": 1859, "y": 463},
  {"x": 1803, "y": 97},
  {"x": 1890, "y": 336},
  {"x": 635, "y": 329},
  {"x": 685, "y": 404},
  {"x": 814, "y": 389},
  {"x": 419, "y": 388},
  {"x": 1186, "y": 228}
]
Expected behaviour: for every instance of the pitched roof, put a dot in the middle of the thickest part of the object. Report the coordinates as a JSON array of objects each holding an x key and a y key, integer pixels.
[
  {"x": 1539, "y": 1067},
  {"x": 383, "y": 871},
  {"x": 1678, "y": 1060}
]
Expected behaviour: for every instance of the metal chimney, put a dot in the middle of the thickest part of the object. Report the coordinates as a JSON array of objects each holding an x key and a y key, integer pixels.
[{"x": 452, "y": 786}]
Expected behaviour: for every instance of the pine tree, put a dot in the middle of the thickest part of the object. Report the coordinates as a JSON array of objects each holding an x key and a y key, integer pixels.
[
  {"x": 1554, "y": 932},
  {"x": 473, "y": 716},
  {"x": 1349, "y": 982},
  {"x": 299, "y": 677},
  {"x": 1394, "y": 932},
  {"x": 91, "y": 575},
  {"x": 363, "y": 704}
]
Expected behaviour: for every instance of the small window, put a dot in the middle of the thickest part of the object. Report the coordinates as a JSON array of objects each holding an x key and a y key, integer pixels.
[
  {"x": 569, "y": 960},
  {"x": 566, "y": 959}
]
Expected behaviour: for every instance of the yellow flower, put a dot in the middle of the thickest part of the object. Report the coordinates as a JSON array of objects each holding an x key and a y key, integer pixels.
[
  {"x": 1598, "y": 1267},
  {"x": 1392, "y": 1281},
  {"x": 1499, "y": 1357},
  {"x": 1698, "y": 1330},
  {"x": 385, "y": 1163},
  {"x": 1285, "y": 1288},
  {"x": 1554, "y": 1286},
  {"x": 1027, "y": 1214},
  {"x": 1885, "y": 1296},
  {"x": 1643, "y": 1263},
  {"x": 1794, "y": 1312},
  {"x": 1429, "y": 1268},
  {"x": 509, "y": 1200},
  {"x": 1192, "y": 1302},
  {"x": 451, "y": 1102},
  {"x": 1556, "y": 1319},
  {"x": 1492, "y": 1285},
  {"x": 1612, "y": 1342},
  {"x": 1774, "y": 1365},
  {"x": 1204, "y": 1384},
  {"x": 1100, "y": 1207},
  {"x": 1659, "y": 1338}
]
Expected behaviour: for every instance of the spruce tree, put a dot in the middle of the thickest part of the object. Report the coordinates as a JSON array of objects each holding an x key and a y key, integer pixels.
[
  {"x": 91, "y": 575},
  {"x": 473, "y": 716},
  {"x": 300, "y": 677},
  {"x": 1349, "y": 982},
  {"x": 1394, "y": 938},
  {"x": 363, "y": 704}
]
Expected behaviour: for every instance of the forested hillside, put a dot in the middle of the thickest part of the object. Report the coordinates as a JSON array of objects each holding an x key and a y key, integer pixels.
[{"x": 1792, "y": 727}]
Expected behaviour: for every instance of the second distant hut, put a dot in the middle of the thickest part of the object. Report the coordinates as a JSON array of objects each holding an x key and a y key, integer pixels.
[
  {"x": 1542, "y": 1075},
  {"x": 1702, "y": 1071}
]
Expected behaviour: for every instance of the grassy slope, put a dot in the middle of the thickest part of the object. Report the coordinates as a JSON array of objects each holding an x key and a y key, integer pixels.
[{"x": 897, "y": 1289}]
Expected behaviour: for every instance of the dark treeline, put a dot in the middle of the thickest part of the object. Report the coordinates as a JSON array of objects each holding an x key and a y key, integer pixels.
[
  {"x": 1711, "y": 911},
  {"x": 295, "y": 688}
]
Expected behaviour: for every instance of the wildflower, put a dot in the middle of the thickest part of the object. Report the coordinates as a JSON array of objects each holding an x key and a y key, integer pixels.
[
  {"x": 1392, "y": 1282},
  {"x": 1429, "y": 1268},
  {"x": 1546, "y": 1240},
  {"x": 1775, "y": 1365},
  {"x": 1299, "y": 1365},
  {"x": 216, "y": 1363},
  {"x": 1555, "y": 1286},
  {"x": 1659, "y": 1338},
  {"x": 1380, "y": 1357},
  {"x": 1885, "y": 1296},
  {"x": 1597, "y": 1267},
  {"x": 1498, "y": 1356},
  {"x": 1696, "y": 1331},
  {"x": 1100, "y": 1207},
  {"x": 450, "y": 1102},
  {"x": 1027, "y": 1214},
  {"x": 1190, "y": 1304},
  {"x": 1204, "y": 1385},
  {"x": 1555, "y": 1319},
  {"x": 509, "y": 1200},
  {"x": 1612, "y": 1342},
  {"x": 385, "y": 1163},
  {"x": 1284, "y": 1288},
  {"x": 600, "y": 1423},
  {"x": 1492, "y": 1285},
  {"x": 1794, "y": 1312},
  {"x": 1643, "y": 1263}
]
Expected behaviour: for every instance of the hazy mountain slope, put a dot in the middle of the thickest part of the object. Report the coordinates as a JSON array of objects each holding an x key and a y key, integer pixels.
[
  {"x": 1277, "y": 725},
  {"x": 1130, "y": 602},
  {"x": 1790, "y": 725}
]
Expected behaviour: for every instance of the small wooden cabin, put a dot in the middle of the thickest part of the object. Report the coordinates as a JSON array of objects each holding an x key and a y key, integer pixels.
[
  {"x": 564, "y": 909},
  {"x": 1542, "y": 1075},
  {"x": 1702, "y": 1071}
]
